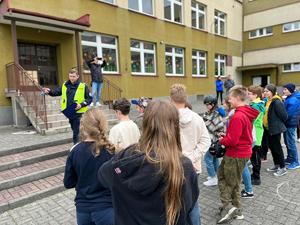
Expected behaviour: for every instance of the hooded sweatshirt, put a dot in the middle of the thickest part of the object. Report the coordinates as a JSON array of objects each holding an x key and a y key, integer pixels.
[
  {"x": 238, "y": 140},
  {"x": 292, "y": 107},
  {"x": 195, "y": 139},
  {"x": 137, "y": 189},
  {"x": 258, "y": 123}
]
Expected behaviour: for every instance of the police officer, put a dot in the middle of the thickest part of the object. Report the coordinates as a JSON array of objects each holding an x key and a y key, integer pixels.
[{"x": 75, "y": 100}]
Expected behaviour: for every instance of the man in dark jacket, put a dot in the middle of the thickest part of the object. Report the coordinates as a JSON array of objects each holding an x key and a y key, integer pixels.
[
  {"x": 292, "y": 107},
  {"x": 95, "y": 64},
  {"x": 229, "y": 83},
  {"x": 75, "y": 99}
]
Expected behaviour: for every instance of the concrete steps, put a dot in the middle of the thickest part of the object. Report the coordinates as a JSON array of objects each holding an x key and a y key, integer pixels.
[{"x": 28, "y": 175}]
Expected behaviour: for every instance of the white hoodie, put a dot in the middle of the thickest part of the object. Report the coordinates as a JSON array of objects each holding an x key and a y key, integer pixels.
[{"x": 194, "y": 136}]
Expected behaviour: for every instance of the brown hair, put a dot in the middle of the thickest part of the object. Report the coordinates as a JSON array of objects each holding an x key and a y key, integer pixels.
[
  {"x": 178, "y": 93},
  {"x": 123, "y": 105},
  {"x": 160, "y": 141},
  {"x": 94, "y": 124},
  {"x": 257, "y": 90},
  {"x": 239, "y": 91},
  {"x": 272, "y": 88},
  {"x": 73, "y": 70}
]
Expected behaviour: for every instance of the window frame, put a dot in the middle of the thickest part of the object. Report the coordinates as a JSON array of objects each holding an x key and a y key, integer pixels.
[
  {"x": 219, "y": 61},
  {"x": 198, "y": 59},
  {"x": 99, "y": 45},
  {"x": 140, "y": 6},
  {"x": 292, "y": 67},
  {"x": 219, "y": 20},
  {"x": 265, "y": 34},
  {"x": 104, "y": 1},
  {"x": 173, "y": 54},
  {"x": 172, "y": 11},
  {"x": 199, "y": 11},
  {"x": 142, "y": 52},
  {"x": 293, "y": 27}
]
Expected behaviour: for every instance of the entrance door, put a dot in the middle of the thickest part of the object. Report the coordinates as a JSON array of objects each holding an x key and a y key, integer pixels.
[
  {"x": 40, "y": 62},
  {"x": 261, "y": 80}
]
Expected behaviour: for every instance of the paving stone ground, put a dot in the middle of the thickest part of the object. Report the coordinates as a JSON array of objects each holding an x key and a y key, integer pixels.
[{"x": 276, "y": 202}]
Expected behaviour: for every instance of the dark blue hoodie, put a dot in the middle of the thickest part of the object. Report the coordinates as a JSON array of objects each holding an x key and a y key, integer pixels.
[
  {"x": 137, "y": 189},
  {"x": 292, "y": 107},
  {"x": 81, "y": 172}
]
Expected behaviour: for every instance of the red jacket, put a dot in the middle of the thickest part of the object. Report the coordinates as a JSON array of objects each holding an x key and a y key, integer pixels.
[{"x": 238, "y": 139}]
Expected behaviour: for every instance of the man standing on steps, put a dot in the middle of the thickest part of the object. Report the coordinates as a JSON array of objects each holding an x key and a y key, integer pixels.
[{"x": 74, "y": 102}]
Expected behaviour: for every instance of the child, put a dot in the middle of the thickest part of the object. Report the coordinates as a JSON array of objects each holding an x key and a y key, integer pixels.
[
  {"x": 126, "y": 132},
  {"x": 152, "y": 182},
  {"x": 93, "y": 201},
  {"x": 215, "y": 126},
  {"x": 238, "y": 143}
]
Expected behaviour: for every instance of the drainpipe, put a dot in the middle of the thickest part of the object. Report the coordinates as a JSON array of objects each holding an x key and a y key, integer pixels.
[{"x": 77, "y": 43}]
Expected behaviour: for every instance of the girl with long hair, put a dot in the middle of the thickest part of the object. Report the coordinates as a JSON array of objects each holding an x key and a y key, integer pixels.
[
  {"x": 151, "y": 182},
  {"x": 93, "y": 201}
]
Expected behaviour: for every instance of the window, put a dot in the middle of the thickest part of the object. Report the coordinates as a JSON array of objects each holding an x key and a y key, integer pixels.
[
  {"x": 173, "y": 10},
  {"x": 144, "y": 6},
  {"x": 220, "y": 23},
  {"x": 262, "y": 32},
  {"x": 289, "y": 27},
  {"x": 103, "y": 46},
  {"x": 198, "y": 15},
  {"x": 174, "y": 61},
  {"x": 142, "y": 57},
  {"x": 220, "y": 65},
  {"x": 198, "y": 63},
  {"x": 291, "y": 67}
]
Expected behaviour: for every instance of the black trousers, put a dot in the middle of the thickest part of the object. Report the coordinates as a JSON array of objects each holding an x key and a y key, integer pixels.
[
  {"x": 276, "y": 149},
  {"x": 256, "y": 162},
  {"x": 264, "y": 144},
  {"x": 75, "y": 124},
  {"x": 220, "y": 93}
]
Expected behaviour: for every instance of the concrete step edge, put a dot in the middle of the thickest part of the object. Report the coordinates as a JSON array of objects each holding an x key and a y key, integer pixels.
[
  {"x": 35, "y": 159},
  {"x": 30, "y": 198},
  {"x": 31, "y": 177}
]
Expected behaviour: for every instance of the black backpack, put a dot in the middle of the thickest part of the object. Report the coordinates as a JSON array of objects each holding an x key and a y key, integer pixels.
[{"x": 217, "y": 150}]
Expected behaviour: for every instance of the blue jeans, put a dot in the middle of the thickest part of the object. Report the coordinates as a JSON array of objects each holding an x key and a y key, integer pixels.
[
  {"x": 247, "y": 178},
  {"x": 212, "y": 164},
  {"x": 290, "y": 141},
  {"x": 195, "y": 214},
  {"x": 104, "y": 217},
  {"x": 96, "y": 89}
]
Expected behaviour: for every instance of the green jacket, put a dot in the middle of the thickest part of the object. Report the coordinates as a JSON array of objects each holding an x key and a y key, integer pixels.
[{"x": 259, "y": 105}]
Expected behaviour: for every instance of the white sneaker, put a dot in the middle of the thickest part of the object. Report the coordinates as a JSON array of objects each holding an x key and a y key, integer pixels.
[
  {"x": 208, "y": 178},
  {"x": 92, "y": 104},
  {"x": 211, "y": 182},
  {"x": 98, "y": 104},
  {"x": 298, "y": 140}
]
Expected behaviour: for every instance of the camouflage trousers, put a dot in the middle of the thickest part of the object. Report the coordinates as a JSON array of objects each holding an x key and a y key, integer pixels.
[{"x": 229, "y": 180}]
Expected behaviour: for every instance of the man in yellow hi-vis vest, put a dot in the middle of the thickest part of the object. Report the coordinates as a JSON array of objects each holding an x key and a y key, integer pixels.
[{"x": 75, "y": 100}]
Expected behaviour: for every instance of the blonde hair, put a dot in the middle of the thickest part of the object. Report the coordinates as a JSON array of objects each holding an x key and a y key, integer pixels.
[
  {"x": 160, "y": 141},
  {"x": 94, "y": 124},
  {"x": 73, "y": 70},
  {"x": 178, "y": 93},
  {"x": 239, "y": 91}
]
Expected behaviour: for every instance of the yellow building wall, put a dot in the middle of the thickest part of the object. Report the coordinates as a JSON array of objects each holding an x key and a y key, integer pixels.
[{"x": 126, "y": 25}]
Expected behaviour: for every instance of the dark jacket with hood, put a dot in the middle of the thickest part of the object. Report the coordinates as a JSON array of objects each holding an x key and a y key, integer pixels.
[
  {"x": 137, "y": 189},
  {"x": 292, "y": 106},
  {"x": 277, "y": 116},
  {"x": 96, "y": 70},
  {"x": 238, "y": 140}
]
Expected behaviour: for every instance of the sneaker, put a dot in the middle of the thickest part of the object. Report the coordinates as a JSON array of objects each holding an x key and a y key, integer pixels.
[
  {"x": 293, "y": 166},
  {"x": 208, "y": 178},
  {"x": 98, "y": 104},
  {"x": 238, "y": 215},
  {"x": 92, "y": 104},
  {"x": 287, "y": 162},
  {"x": 298, "y": 140},
  {"x": 211, "y": 182},
  {"x": 273, "y": 168},
  {"x": 227, "y": 215},
  {"x": 245, "y": 194},
  {"x": 280, "y": 172}
]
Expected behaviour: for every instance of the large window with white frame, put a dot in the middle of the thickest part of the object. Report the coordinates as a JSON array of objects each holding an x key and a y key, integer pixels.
[
  {"x": 220, "y": 65},
  {"x": 142, "y": 58},
  {"x": 262, "y": 32},
  {"x": 173, "y": 10},
  {"x": 198, "y": 15},
  {"x": 291, "y": 67},
  {"x": 143, "y": 6},
  {"x": 198, "y": 63},
  {"x": 103, "y": 46},
  {"x": 220, "y": 23},
  {"x": 174, "y": 57},
  {"x": 289, "y": 27}
]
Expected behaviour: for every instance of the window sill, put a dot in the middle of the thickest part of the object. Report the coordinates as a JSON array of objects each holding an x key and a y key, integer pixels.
[
  {"x": 220, "y": 35},
  {"x": 199, "y": 76},
  {"x": 108, "y": 3},
  {"x": 201, "y": 30},
  {"x": 143, "y": 75},
  {"x": 175, "y": 75},
  {"x": 103, "y": 73},
  {"x": 292, "y": 71},
  {"x": 174, "y": 22},
  {"x": 251, "y": 38},
  {"x": 142, "y": 13},
  {"x": 290, "y": 31}
]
